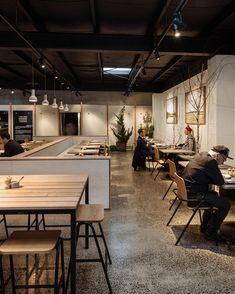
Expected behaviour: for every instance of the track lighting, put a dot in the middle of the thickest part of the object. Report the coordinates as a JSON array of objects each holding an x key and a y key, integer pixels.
[
  {"x": 178, "y": 24},
  {"x": 42, "y": 63},
  {"x": 12, "y": 91},
  {"x": 156, "y": 54}
]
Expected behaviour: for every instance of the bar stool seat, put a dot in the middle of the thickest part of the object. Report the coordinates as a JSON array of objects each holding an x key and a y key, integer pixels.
[
  {"x": 33, "y": 243},
  {"x": 88, "y": 214}
]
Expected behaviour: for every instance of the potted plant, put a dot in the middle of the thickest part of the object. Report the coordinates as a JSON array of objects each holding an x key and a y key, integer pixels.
[
  {"x": 148, "y": 126},
  {"x": 121, "y": 133}
]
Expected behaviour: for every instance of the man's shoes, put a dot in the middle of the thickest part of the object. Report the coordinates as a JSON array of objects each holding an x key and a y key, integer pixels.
[{"x": 216, "y": 237}]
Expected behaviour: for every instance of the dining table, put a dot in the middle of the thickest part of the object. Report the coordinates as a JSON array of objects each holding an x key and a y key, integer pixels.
[{"x": 47, "y": 194}]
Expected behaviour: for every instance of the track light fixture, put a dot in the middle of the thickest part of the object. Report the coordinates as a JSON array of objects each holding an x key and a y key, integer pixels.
[
  {"x": 156, "y": 54},
  {"x": 12, "y": 91},
  {"x": 42, "y": 63},
  {"x": 178, "y": 24}
]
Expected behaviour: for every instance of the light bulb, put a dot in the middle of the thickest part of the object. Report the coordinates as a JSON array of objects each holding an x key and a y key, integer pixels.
[
  {"x": 54, "y": 104},
  {"x": 61, "y": 107},
  {"x": 32, "y": 97},
  {"x": 45, "y": 101}
]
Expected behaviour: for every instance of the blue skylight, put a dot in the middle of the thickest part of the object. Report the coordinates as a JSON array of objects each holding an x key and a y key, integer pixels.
[{"x": 116, "y": 70}]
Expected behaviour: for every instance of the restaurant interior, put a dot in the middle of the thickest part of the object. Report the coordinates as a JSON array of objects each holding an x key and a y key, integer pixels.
[{"x": 83, "y": 85}]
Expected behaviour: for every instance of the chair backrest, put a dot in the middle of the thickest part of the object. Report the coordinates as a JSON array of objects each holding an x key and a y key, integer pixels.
[
  {"x": 172, "y": 168},
  {"x": 156, "y": 154},
  {"x": 181, "y": 189}
]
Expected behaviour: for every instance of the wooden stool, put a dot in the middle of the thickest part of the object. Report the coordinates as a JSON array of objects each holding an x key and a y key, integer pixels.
[
  {"x": 33, "y": 242},
  {"x": 88, "y": 214}
]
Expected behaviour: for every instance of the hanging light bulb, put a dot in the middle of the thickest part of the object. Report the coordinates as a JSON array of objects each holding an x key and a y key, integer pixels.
[
  {"x": 61, "y": 107},
  {"x": 54, "y": 104},
  {"x": 66, "y": 108},
  {"x": 32, "y": 97},
  {"x": 45, "y": 101}
]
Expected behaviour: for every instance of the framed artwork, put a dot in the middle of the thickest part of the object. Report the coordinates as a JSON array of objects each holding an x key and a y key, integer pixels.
[
  {"x": 171, "y": 110},
  {"x": 195, "y": 106}
]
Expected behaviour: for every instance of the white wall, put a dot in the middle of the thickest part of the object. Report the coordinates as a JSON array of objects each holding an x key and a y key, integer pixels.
[
  {"x": 219, "y": 80},
  {"x": 47, "y": 121},
  {"x": 94, "y": 120}
]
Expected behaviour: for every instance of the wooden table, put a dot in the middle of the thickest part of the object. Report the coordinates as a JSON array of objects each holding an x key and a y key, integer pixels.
[
  {"x": 47, "y": 194},
  {"x": 84, "y": 151},
  {"x": 175, "y": 151}
]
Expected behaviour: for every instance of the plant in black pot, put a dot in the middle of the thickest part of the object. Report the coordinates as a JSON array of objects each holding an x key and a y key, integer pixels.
[{"x": 121, "y": 133}]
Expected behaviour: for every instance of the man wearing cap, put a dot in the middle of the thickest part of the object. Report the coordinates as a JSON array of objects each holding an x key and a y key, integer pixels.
[{"x": 200, "y": 172}]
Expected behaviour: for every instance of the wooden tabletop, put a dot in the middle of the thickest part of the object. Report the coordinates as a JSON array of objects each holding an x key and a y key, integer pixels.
[
  {"x": 176, "y": 151},
  {"x": 43, "y": 192}
]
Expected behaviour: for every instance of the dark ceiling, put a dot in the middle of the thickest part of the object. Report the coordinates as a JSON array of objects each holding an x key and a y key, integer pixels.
[{"x": 77, "y": 38}]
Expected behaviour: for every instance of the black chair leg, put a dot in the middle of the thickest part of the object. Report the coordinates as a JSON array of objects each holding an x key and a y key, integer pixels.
[
  {"x": 12, "y": 274},
  {"x": 178, "y": 206},
  {"x": 173, "y": 202},
  {"x": 154, "y": 168},
  {"x": 156, "y": 175},
  {"x": 101, "y": 258},
  {"x": 185, "y": 228},
  {"x": 167, "y": 190},
  {"x": 105, "y": 244}
]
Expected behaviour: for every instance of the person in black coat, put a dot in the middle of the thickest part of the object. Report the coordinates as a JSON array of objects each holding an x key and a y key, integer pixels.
[
  {"x": 141, "y": 151},
  {"x": 199, "y": 174},
  {"x": 11, "y": 147}
]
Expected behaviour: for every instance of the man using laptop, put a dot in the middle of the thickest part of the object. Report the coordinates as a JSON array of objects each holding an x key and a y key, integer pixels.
[{"x": 202, "y": 171}]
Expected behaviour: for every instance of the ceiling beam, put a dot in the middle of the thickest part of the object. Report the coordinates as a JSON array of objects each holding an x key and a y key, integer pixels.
[
  {"x": 40, "y": 26},
  {"x": 94, "y": 17},
  {"x": 195, "y": 46},
  {"x": 11, "y": 70}
]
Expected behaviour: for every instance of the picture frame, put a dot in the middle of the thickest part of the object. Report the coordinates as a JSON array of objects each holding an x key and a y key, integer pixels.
[
  {"x": 195, "y": 106},
  {"x": 171, "y": 110}
]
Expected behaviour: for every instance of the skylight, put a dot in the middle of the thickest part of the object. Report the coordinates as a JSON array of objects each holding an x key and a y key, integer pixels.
[{"x": 116, "y": 70}]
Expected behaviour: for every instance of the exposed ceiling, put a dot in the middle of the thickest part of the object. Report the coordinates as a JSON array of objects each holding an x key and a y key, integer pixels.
[{"x": 77, "y": 38}]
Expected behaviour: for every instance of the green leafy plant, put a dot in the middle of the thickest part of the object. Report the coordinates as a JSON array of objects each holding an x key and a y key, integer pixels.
[
  {"x": 148, "y": 126},
  {"x": 121, "y": 133}
]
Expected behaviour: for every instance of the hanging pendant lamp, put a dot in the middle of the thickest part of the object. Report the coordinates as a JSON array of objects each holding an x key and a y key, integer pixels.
[
  {"x": 66, "y": 108},
  {"x": 45, "y": 101},
  {"x": 61, "y": 107},
  {"x": 54, "y": 104},
  {"x": 32, "y": 97}
]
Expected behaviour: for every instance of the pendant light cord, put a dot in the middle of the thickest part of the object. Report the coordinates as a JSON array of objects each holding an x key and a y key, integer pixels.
[{"x": 32, "y": 73}]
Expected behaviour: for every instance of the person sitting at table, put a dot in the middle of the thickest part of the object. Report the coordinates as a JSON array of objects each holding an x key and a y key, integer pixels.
[
  {"x": 190, "y": 142},
  {"x": 199, "y": 174},
  {"x": 142, "y": 150},
  {"x": 11, "y": 147}
]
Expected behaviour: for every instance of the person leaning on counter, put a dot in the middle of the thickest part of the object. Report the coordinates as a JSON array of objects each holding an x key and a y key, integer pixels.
[
  {"x": 200, "y": 172},
  {"x": 11, "y": 147}
]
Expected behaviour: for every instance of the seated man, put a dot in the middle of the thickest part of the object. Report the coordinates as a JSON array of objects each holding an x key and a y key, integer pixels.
[
  {"x": 141, "y": 151},
  {"x": 202, "y": 171},
  {"x": 11, "y": 147}
]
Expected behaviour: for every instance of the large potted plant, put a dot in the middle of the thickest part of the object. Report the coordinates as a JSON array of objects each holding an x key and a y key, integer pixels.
[
  {"x": 148, "y": 126},
  {"x": 121, "y": 133}
]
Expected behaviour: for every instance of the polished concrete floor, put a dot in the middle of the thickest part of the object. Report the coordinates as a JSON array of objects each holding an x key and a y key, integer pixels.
[{"x": 145, "y": 259}]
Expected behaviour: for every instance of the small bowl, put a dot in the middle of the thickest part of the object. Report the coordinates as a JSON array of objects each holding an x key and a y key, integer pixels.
[{"x": 15, "y": 184}]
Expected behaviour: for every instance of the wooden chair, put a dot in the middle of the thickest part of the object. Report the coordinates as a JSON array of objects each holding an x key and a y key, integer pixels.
[
  {"x": 172, "y": 172},
  {"x": 182, "y": 197},
  {"x": 90, "y": 214},
  {"x": 158, "y": 161},
  {"x": 33, "y": 243}
]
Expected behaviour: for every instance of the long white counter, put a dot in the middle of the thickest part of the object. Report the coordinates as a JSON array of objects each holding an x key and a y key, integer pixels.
[{"x": 41, "y": 161}]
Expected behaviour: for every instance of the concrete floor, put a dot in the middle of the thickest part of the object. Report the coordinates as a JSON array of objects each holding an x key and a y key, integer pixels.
[{"x": 145, "y": 259}]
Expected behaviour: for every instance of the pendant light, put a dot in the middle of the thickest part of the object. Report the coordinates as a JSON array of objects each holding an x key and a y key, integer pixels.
[
  {"x": 61, "y": 107},
  {"x": 66, "y": 108},
  {"x": 32, "y": 97},
  {"x": 45, "y": 101},
  {"x": 54, "y": 104}
]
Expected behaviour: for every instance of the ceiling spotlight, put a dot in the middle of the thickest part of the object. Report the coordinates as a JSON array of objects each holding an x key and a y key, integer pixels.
[
  {"x": 42, "y": 63},
  {"x": 176, "y": 31},
  {"x": 156, "y": 54},
  {"x": 12, "y": 91},
  {"x": 55, "y": 77},
  {"x": 178, "y": 24}
]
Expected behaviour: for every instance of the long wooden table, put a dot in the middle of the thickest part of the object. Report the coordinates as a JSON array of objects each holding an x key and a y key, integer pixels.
[
  {"x": 47, "y": 194},
  {"x": 175, "y": 151}
]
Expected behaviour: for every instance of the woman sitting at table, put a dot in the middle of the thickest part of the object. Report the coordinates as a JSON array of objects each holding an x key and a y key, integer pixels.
[
  {"x": 190, "y": 142},
  {"x": 142, "y": 150}
]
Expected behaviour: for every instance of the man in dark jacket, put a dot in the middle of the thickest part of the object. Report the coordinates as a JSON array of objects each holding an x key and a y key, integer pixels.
[
  {"x": 141, "y": 151},
  {"x": 202, "y": 171},
  {"x": 11, "y": 147}
]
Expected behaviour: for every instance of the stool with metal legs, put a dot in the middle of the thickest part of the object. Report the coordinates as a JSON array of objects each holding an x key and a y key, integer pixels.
[
  {"x": 33, "y": 243},
  {"x": 89, "y": 214}
]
